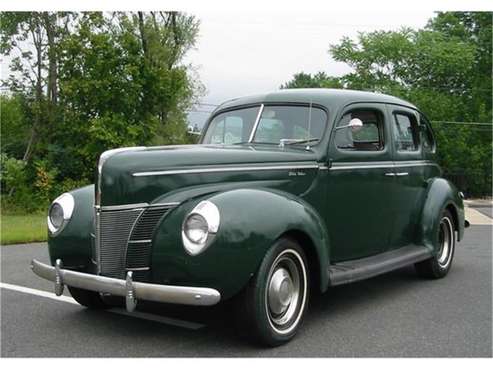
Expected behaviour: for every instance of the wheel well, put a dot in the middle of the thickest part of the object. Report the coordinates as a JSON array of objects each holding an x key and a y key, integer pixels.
[
  {"x": 455, "y": 216},
  {"x": 308, "y": 247}
]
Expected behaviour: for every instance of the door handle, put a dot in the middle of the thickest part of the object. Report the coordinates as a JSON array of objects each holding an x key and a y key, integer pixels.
[
  {"x": 402, "y": 174},
  {"x": 390, "y": 174}
]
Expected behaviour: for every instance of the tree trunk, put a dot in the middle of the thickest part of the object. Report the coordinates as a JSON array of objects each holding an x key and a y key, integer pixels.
[
  {"x": 37, "y": 40},
  {"x": 143, "y": 35},
  {"x": 50, "y": 27}
]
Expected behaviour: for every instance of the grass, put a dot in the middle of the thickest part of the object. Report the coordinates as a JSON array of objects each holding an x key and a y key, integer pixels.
[{"x": 17, "y": 228}]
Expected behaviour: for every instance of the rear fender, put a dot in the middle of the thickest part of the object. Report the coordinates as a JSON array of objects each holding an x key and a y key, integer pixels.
[{"x": 440, "y": 194}]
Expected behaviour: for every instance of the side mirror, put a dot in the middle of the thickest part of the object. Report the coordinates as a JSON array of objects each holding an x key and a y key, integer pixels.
[{"x": 355, "y": 125}]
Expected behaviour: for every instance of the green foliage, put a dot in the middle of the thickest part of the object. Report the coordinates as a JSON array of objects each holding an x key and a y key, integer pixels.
[
  {"x": 444, "y": 69},
  {"x": 14, "y": 128},
  {"x": 14, "y": 179},
  {"x": 12, "y": 172},
  {"x": 45, "y": 180},
  {"x": 82, "y": 83},
  {"x": 306, "y": 80}
]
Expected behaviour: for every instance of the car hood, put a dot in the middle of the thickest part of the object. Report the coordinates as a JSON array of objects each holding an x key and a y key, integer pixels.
[{"x": 146, "y": 174}]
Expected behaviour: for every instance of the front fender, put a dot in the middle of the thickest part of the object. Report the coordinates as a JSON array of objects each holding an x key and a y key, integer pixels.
[
  {"x": 440, "y": 194},
  {"x": 251, "y": 220},
  {"x": 73, "y": 244}
]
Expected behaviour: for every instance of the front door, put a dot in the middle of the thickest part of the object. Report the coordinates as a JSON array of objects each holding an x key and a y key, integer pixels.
[{"x": 360, "y": 184}]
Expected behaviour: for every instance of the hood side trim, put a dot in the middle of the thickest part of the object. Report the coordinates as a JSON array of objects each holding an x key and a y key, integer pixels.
[{"x": 226, "y": 169}]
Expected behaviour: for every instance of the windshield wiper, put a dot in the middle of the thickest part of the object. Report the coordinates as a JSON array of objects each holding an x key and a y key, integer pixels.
[{"x": 283, "y": 142}]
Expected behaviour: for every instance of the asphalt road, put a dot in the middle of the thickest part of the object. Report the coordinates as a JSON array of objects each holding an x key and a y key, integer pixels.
[
  {"x": 487, "y": 211},
  {"x": 393, "y": 315}
]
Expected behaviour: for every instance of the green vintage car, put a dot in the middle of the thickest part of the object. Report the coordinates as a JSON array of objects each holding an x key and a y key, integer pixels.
[{"x": 288, "y": 192}]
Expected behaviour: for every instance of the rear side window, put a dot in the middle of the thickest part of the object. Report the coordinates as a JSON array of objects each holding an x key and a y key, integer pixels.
[
  {"x": 427, "y": 139},
  {"x": 405, "y": 132},
  {"x": 369, "y": 137}
]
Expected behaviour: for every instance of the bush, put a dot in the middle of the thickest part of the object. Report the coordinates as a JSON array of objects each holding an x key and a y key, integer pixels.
[{"x": 28, "y": 189}]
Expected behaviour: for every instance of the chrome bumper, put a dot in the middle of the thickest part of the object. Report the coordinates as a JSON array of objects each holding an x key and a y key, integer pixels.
[{"x": 125, "y": 288}]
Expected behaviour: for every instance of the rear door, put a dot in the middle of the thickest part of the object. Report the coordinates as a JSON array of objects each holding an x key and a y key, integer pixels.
[
  {"x": 359, "y": 190},
  {"x": 409, "y": 170}
]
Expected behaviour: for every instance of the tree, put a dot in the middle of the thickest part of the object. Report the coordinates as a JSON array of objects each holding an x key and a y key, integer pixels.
[
  {"x": 320, "y": 79},
  {"x": 445, "y": 69},
  {"x": 138, "y": 96},
  {"x": 34, "y": 74},
  {"x": 82, "y": 83}
]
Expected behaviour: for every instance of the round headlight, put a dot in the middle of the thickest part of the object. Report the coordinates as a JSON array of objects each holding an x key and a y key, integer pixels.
[
  {"x": 56, "y": 215},
  {"x": 200, "y": 227},
  {"x": 60, "y": 212},
  {"x": 196, "y": 229}
]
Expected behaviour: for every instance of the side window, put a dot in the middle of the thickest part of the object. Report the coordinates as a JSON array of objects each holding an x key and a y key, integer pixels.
[
  {"x": 368, "y": 137},
  {"x": 405, "y": 132},
  {"x": 427, "y": 139}
]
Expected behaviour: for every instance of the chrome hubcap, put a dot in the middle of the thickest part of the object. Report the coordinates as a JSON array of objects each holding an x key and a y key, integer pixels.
[
  {"x": 280, "y": 291},
  {"x": 286, "y": 291}
]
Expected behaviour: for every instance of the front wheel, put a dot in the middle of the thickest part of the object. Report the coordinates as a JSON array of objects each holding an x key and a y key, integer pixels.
[
  {"x": 274, "y": 302},
  {"x": 439, "y": 265}
]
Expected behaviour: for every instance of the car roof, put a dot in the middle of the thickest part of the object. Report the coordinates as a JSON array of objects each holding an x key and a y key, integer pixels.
[{"x": 329, "y": 98}]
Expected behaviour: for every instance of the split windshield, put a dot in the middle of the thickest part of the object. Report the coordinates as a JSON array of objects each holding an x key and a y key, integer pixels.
[{"x": 276, "y": 124}]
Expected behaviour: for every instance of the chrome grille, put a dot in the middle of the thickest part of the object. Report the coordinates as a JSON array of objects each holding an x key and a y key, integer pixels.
[
  {"x": 125, "y": 239},
  {"x": 139, "y": 245},
  {"x": 144, "y": 228},
  {"x": 115, "y": 228}
]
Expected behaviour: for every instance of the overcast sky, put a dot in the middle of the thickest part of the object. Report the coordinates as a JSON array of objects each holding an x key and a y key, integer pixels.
[
  {"x": 243, "y": 53},
  {"x": 247, "y": 53}
]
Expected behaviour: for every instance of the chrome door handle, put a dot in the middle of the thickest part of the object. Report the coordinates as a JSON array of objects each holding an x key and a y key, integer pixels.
[
  {"x": 390, "y": 174},
  {"x": 402, "y": 174}
]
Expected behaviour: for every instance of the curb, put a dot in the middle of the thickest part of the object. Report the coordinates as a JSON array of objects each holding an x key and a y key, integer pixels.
[{"x": 479, "y": 203}]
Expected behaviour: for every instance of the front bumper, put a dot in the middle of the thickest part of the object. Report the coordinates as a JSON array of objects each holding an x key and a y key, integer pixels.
[{"x": 132, "y": 291}]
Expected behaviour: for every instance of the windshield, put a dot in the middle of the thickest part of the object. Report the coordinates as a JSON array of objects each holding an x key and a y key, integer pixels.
[
  {"x": 231, "y": 127},
  {"x": 276, "y": 124},
  {"x": 290, "y": 123}
]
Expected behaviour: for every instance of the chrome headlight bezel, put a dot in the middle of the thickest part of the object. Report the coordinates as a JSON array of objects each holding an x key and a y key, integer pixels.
[
  {"x": 67, "y": 203},
  {"x": 209, "y": 212}
]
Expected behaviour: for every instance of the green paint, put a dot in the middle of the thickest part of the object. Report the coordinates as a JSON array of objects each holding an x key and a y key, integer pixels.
[{"x": 340, "y": 214}]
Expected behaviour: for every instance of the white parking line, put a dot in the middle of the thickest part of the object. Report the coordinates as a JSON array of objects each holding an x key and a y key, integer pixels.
[
  {"x": 135, "y": 314},
  {"x": 39, "y": 293}
]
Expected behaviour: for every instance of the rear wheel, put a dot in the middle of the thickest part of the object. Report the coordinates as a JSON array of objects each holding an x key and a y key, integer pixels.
[
  {"x": 439, "y": 265},
  {"x": 274, "y": 302},
  {"x": 87, "y": 298}
]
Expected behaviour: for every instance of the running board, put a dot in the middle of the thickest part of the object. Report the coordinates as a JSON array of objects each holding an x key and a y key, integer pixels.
[{"x": 363, "y": 268}]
